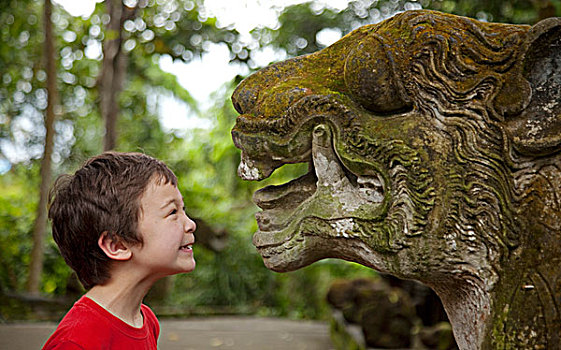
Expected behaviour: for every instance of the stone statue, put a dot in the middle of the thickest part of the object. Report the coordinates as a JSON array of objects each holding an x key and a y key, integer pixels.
[{"x": 434, "y": 149}]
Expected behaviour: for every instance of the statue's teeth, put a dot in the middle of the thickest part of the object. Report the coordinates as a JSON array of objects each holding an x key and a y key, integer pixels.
[
  {"x": 247, "y": 171},
  {"x": 251, "y": 169}
]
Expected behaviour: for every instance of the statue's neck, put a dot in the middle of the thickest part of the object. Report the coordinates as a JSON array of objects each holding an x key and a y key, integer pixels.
[
  {"x": 468, "y": 308},
  {"x": 525, "y": 304},
  {"x": 520, "y": 311}
]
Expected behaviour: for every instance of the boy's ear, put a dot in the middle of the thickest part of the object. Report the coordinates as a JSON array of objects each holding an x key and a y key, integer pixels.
[{"x": 113, "y": 247}]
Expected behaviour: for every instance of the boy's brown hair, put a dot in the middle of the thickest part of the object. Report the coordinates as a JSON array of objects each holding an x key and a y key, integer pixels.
[{"x": 102, "y": 196}]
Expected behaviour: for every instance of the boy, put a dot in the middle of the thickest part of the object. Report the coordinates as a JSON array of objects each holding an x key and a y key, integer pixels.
[{"x": 120, "y": 225}]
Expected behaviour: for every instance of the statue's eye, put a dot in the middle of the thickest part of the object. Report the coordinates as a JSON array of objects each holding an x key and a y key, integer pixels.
[{"x": 370, "y": 80}]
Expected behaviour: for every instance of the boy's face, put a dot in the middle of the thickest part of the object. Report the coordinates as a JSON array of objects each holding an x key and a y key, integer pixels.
[{"x": 166, "y": 231}]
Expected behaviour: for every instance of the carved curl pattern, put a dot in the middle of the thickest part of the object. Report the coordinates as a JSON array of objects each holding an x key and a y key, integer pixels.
[
  {"x": 411, "y": 188},
  {"x": 455, "y": 75}
]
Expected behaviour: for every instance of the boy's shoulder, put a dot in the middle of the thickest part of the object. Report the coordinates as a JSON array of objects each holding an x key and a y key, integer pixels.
[
  {"x": 81, "y": 324},
  {"x": 88, "y": 325}
]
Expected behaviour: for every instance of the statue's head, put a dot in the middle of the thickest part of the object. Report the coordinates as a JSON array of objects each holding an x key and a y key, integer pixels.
[{"x": 415, "y": 130}]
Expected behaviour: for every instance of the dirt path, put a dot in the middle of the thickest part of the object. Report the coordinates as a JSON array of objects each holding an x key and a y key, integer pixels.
[{"x": 234, "y": 333}]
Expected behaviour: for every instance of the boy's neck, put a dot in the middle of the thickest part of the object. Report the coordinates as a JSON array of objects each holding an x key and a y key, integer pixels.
[{"x": 122, "y": 298}]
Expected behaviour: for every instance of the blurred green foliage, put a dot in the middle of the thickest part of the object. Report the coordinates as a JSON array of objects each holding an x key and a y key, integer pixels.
[
  {"x": 16, "y": 218},
  {"x": 205, "y": 160}
]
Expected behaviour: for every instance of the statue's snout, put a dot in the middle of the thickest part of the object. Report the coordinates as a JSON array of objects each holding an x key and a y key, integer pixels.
[
  {"x": 252, "y": 94},
  {"x": 245, "y": 96}
]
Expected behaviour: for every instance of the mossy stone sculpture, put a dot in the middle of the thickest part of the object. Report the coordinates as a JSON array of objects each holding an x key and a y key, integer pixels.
[{"x": 434, "y": 144}]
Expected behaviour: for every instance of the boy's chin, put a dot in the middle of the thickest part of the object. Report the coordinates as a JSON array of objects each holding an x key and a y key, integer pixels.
[{"x": 190, "y": 267}]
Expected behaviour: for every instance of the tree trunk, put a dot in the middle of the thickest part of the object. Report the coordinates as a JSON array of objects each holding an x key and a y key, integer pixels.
[
  {"x": 113, "y": 71},
  {"x": 36, "y": 265}
]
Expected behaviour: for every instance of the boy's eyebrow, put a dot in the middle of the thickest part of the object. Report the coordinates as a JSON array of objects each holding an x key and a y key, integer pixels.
[{"x": 173, "y": 200}]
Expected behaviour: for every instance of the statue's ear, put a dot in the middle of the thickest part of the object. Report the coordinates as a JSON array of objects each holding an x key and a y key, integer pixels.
[{"x": 537, "y": 129}]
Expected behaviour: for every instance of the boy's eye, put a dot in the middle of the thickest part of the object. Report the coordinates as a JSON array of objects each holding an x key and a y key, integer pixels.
[{"x": 173, "y": 212}]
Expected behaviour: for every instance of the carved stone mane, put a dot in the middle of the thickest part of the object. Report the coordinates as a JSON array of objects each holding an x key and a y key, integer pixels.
[{"x": 434, "y": 144}]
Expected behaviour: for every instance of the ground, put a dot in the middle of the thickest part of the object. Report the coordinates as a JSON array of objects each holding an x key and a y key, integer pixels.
[{"x": 234, "y": 333}]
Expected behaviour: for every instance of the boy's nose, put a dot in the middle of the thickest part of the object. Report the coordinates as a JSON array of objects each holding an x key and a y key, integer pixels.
[{"x": 190, "y": 225}]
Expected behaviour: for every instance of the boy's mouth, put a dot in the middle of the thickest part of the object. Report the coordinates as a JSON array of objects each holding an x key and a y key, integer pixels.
[{"x": 188, "y": 246}]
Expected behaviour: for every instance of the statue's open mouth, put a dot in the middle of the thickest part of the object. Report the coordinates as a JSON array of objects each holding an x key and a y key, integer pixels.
[
  {"x": 284, "y": 197},
  {"x": 329, "y": 195},
  {"x": 359, "y": 191}
]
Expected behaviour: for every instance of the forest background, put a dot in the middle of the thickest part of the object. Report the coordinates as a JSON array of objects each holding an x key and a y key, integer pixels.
[{"x": 74, "y": 86}]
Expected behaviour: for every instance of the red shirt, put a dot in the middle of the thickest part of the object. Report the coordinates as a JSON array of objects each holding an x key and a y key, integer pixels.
[{"x": 89, "y": 326}]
